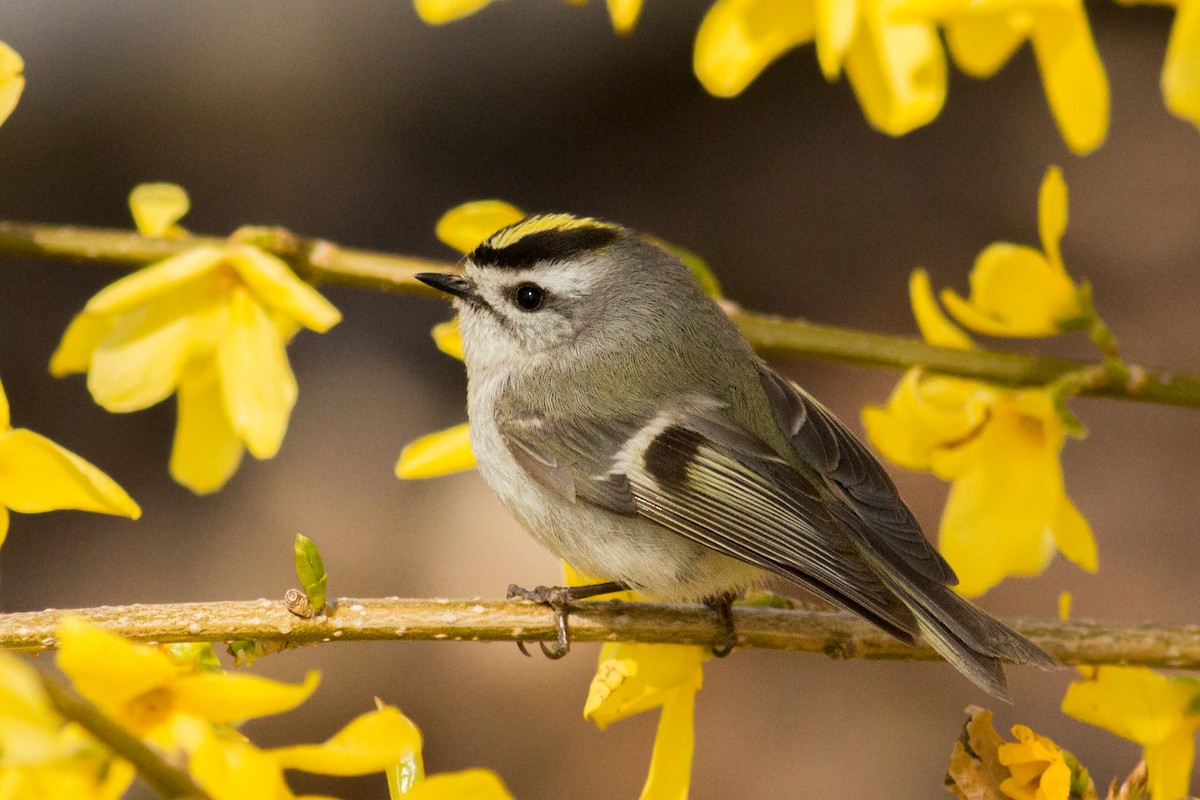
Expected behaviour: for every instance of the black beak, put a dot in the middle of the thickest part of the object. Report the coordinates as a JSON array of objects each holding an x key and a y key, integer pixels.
[{"x": 455, "y": 285}]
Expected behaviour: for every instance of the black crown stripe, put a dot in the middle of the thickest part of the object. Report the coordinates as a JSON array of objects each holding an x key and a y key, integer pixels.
[{"x": 549, "y": 245}]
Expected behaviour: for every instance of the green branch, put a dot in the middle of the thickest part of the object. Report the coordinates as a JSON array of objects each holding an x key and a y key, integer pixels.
[
  {"x": 834, "y": 633},
  {"x": 322, "y": 262}
]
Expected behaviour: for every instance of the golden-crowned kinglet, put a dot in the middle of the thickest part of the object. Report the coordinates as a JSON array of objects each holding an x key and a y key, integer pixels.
[{"x": 629, "y": 427}]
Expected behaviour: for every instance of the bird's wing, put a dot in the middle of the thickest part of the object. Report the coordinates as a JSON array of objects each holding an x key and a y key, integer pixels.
[
  {"x": 694, "y": 471},
  {"x": 823, "y": 443}
]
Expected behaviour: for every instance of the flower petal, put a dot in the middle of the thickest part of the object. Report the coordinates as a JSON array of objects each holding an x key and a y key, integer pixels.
[
  {"x": 632, "y": 677},
  {"x": 738, "y": 39},
  {"x": 981, "y": 44},
  {"x": 370, "y": 743},
  {"x": 224, "y": 697},
  {"x": 1133, "y": 702},
  {"x": 471, "y": 784},
  {"x": 1073, "y": 536},
  {"x": 1052, "y": 215},
  {"x": 233, "y": 769},
  {"x": 28, "y": 727},
  {"x": 156, "y": 207},
  {"x": 466, "y": 226},
  {"x": 1073, "y": 75},
  {"x": 439, "y": 12},
  {"x": 1181, "y": 71},
  {"x": 257, "y": 384},
  {"x": 106, "y": 668},
  {"x": 1015, "y": 291},
  {"x": 1002, "y": 503},
  {"x": 206, "y": 451},
  {"x": 836, "y": 23},
  {"x": 624, "y": 14},
  {"x": 278, "y": 288},
  {"x": 5, "y": 419},
  {"x": 79, "y": 342},
  {"x": 3, "y": 524},
  {"x": 155, "y": 280},
  {"x": 142, "y": 359},
  {"x": 674, "y": 742},
  {"x": 448, "y": 338},
  {"x": 922, "y": 415},
  {"x": 1169, "y": 763},
  {"x": 38, "y": 475},
  {"x": 897, "y": 71},
  {"x": 12, "y": 83},
  {"x": 437, "y": 454},
  {"x": 935, "y": 326}
]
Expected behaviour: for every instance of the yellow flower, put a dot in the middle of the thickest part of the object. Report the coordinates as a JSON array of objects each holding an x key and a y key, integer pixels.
[
  {"x": 1008, "y": 511},
  {"x": 147, "y": 693},
  {"x": 1181, "y": 70},
  {"x": 1018, "y": 291},
  {"x": 1039, "y": 768},
  {"x": 228, "y": 767},
  {"x": 1159, "y": 713},
  {"x": 632, "y": 677},
  {"x": 896, "y": 67},
  {"x": 623, "y": 13},
  {"x": 12, "y": 82},
  {"x": 893, "y": 56},
  {"x": 436, "y": 454},
  {"x": 983, "y": 34},
  {"x": 210, "y": 323},
  {"x": 38, "y": 475},
  {"x": 43, "y": 758}
]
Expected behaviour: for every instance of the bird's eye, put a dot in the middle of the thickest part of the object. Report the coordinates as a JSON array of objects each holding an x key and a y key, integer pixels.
[{"x": 529, "y": 297}]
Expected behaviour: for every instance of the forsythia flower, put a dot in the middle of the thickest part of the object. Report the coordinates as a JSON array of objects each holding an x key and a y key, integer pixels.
[
  {"x": 623, "y": 13},
  {"x": 632, "y": 677},
  {"x": 38, "y": 475},
  {"x": 1159, "y": 713},
  {"x": 1018, "y": 291},
  {"x": 1038, "y": 766},
  {"x": 210, "y": 323},
  {"x": 12, "y": 82},
  {"x": 1181, "y": 71},
  {"x": 147, "y": 693},
  {"x": 43, "y": 758},
  {"x": 1008, "y": 511},
  {"x": 893, "y": 56}
]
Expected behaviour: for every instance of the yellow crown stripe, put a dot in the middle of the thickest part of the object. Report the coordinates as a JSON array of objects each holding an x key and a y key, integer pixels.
[{"x": 545, "y": 222}]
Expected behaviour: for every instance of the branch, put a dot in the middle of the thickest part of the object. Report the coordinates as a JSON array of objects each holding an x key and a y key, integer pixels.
[
  {"x": 322, "y": 262},
  {"x": 836, "y": 634}
]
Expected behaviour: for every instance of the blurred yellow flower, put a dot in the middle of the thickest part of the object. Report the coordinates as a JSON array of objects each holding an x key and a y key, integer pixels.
[
  {"x": 1039, "y": 768},
  {"x": 147, "y": 692},
  {"x": 1008, "y": 511},
  {"x": 893, "y": 57},
  {"x": 12, "y": 81},
  {"x": 1018, "y": 291},
  {"x": 1159, "y": 713},
  {"x": 436, "y": 454},
  {"x": 896, "y": 66},
  {"x": 1181, "y": 70},
  {"x": 41, "y": 756},
  {"x": 38, "y": 475},
  {"x": 229, "y": 767},
  {"x": 623, "y": 13},
  {"x": 470, "y": 784},
  {"x": 210, "y": 323}
]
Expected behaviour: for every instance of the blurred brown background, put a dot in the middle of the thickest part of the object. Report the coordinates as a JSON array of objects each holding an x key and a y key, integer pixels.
[{"x": 357, "y": 123}]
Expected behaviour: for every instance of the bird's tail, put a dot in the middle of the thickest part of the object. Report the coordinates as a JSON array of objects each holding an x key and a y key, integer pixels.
[{"x": 970, "y": 639}]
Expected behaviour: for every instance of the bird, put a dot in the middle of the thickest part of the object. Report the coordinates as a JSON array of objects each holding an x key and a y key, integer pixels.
[{"x": 630, "y": 428}]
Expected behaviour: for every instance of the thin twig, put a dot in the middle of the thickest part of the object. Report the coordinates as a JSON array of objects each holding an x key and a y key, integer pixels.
[
  {"x": 166, "y": 780},
  {"x": 836, "y": 634},
  {"x": 323, "y": 262}
]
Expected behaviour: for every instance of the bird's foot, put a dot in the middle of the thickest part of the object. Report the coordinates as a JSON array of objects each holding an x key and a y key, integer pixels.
[
  {"x": 559, "y": 599},
  {"x": 727, "y": 640}
]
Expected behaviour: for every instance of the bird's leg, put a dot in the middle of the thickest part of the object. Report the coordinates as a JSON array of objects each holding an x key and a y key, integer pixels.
[
  {"x": 723, "y": 605},
  {"x": 559, "y": 598}
]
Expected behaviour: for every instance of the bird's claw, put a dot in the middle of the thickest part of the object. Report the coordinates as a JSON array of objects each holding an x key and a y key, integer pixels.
[
  {"x": 558, "y": 598},
  {"x": 723, "y": 605}
]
